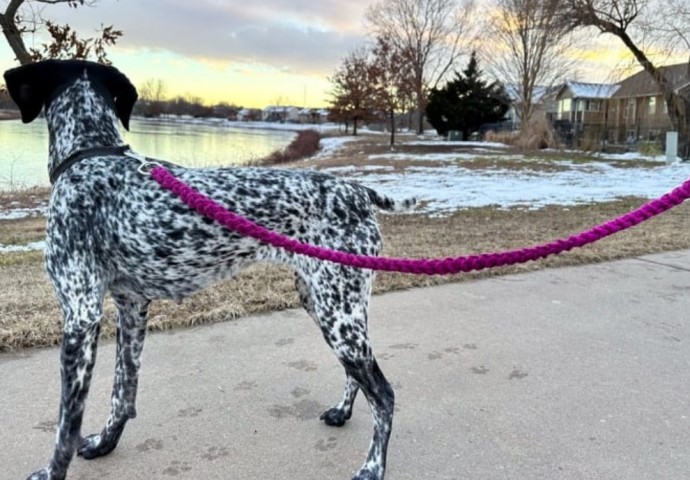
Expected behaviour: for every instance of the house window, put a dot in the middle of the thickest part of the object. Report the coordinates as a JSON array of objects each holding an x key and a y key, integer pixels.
[
  {"x": 651, "y": 103},
  {"x": 593, "y": 105},
  {"x": 629, "y": 113},
  {"x": 564, "y": 108}
]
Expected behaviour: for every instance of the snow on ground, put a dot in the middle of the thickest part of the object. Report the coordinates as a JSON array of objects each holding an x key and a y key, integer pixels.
[
  {"x": 445, "y": 189},
  {"x": 481, "y": 145},
  {"x": 22, "y": 248},
  {"x": 330, "y": 145},
  {"x": 451, "y": 186},
  {"x": 18, "y": 213}
]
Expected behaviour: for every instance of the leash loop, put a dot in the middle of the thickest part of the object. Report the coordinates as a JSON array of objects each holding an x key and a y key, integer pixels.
[
  {"x": 213, "y": 210},
  {"x": 146, "y": 166}
]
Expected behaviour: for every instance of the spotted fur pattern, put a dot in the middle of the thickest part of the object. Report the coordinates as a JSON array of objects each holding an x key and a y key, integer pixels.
[{"x": 113, "y": 230}]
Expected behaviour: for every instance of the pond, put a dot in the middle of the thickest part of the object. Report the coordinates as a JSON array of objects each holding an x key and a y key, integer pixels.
[{"x": 24, "y": 148}]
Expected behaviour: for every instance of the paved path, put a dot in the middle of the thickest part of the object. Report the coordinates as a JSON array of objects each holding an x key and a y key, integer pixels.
[{"x": 572, "y": 373}]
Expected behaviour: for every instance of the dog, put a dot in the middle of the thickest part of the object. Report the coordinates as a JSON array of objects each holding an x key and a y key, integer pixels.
[{"x": 112, "y": 229}]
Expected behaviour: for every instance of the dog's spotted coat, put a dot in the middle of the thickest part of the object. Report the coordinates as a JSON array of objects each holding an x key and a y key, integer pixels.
[{"x": 113, "y": 230}]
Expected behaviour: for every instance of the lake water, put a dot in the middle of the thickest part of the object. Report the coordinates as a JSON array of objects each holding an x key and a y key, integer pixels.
[{"x": 24, "y": 148}]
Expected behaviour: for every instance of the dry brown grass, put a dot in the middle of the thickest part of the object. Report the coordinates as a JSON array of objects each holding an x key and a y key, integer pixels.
[
  {"x": 29, "y": 314},
  {"x": 537, "y": 135},
  {"x": 22, "y": 231}
]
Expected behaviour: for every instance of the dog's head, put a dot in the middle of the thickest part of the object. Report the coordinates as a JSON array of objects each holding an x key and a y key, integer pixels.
[{"x": 35, "y": 85}]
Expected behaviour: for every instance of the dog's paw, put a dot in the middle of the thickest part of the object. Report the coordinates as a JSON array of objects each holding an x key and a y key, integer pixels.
[
  {"x": 93, "y": 446},
  {"x": 43, "y": 475},
  {"x": 335, "y": 417}
]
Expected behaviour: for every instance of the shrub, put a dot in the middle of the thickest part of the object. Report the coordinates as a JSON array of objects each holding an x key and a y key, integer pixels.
[
  {"x": 537, "y": 135},
  {"x": 304, "y": 145},
  {"x": 650, "y": 149}
]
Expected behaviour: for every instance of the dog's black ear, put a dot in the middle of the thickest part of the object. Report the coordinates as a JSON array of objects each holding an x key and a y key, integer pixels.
[
  {"x": 28, "y": 88},
  {"x": 121, "y": 89}
]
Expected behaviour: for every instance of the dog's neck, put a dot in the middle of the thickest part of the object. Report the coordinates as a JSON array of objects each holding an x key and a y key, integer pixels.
[{"x": 79, "y": 118}]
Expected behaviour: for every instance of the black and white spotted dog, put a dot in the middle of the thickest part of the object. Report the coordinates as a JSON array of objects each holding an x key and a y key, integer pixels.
[{"x": 113, "y": 229}]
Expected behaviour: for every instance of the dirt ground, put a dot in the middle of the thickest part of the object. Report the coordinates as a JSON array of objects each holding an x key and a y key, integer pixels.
[{"x": 29, "y": 314}]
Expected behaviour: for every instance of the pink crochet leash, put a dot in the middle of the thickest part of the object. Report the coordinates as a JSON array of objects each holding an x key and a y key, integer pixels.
[{"x": 241, "y": 225}]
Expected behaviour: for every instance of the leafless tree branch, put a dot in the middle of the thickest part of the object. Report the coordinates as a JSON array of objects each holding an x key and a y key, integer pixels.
[{"x": 431, "y": 32}]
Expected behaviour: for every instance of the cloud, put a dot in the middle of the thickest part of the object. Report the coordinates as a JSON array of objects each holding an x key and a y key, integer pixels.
[{"x": 300, "y": 36}]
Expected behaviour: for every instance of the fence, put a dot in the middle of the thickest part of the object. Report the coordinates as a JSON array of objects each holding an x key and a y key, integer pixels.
[{"x": 647, "y": 139}]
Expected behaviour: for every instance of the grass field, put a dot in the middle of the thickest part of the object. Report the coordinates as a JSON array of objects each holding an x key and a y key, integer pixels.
[{"x": 29, "y": 314}]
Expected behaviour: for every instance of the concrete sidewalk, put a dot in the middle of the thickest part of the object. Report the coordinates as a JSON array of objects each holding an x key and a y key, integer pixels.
[{"x": 571, "y": 373}]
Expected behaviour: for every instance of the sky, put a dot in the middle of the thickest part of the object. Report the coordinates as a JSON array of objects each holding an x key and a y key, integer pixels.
[{"x": 246, "y": 52}]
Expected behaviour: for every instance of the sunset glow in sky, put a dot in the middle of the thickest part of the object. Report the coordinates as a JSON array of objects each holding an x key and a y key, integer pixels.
[{"x": 248, "y": 53}]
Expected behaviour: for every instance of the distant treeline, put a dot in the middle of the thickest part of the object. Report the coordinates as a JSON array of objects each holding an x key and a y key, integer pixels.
[
  {"x": 176, "y": 106},
  {"x": 192, "y": 106}
]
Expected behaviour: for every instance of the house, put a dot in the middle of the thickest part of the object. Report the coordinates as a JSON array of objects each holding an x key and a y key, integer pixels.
[
  {"x": 280, "y": 114},
  {"x": 638, "y": 111},
  {"x": 582, "y": 112},
  {"x": 582, "y": 103},
  {"x": 249, "y": 115},
  {"x": 313, "y": 115},
  {"x": 543, "y": 104}
]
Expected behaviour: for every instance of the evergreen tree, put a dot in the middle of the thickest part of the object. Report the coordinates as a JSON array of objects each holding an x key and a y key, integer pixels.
[{"x": 466, "y": 102}]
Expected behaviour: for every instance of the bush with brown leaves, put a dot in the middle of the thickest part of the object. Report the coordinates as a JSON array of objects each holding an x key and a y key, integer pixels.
[{"x": 304, "y": 145}]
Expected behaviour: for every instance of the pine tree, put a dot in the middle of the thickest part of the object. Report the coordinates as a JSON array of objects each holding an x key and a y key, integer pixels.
[{"x": 466, "y": 102}]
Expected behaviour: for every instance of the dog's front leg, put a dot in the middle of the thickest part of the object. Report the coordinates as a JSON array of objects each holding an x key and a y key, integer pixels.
[
  {"x": 82, "y": 307},
  {"x": 131, "y": 330}
]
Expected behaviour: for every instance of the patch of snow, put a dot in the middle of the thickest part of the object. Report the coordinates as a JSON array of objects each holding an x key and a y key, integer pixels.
[
  {"x": 18, "y": 213},
  {"x": 633, "y": 156},
  {"x": 427, "y": 157},
  {"x": 486, "y": 145},
  {"x": 445, "y": 189},
  {"x": 331, "y": 145},
  {"x": 41, "y": 245}
]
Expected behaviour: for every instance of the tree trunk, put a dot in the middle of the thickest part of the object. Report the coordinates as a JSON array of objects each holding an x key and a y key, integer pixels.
[
  {"x": 12, "y": 34},
  {"x": 419, "y": 87},
  {"x": 392, "y": 117},
  {"x": 354, "y": 127},
  {"x": 679, "y": 116}
]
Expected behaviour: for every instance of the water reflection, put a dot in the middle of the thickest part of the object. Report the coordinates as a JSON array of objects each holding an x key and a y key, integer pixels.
[{"x": 23, "y": 148}]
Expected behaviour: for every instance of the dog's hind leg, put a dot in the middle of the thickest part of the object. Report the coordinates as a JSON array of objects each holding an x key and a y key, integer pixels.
[
  {"x": 80, "y": 293},
  {"x": 340, "y": 299},
  {"x": 131, "y": 330},
  {"x": 337, "y": 415}
]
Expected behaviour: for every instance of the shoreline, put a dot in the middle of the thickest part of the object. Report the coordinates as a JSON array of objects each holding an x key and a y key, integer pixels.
[
  {"x": 6, "y": 114},
  {"x": 253, "y": 125}
]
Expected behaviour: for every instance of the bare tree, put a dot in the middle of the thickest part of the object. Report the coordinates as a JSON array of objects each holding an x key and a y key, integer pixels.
[
  {"x": 392, "y": 82},
  {"x": 20, "y": 18},
  {"x": 433, "y": 34},
  {"x": 630, "y": 20},
  {"x": 152, "y": 95},
  {"x": 671, "y": 26},
  {"x": 529, "y": 49}
]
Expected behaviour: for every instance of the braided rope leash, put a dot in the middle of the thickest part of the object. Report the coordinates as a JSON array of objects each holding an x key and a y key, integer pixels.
[{"x": 447, "y": 266}]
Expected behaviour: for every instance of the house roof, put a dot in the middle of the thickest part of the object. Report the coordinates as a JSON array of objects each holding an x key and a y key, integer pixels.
[
  {"x": 539, "y": 94},
  {"x": 642, "y": 84},
  {"x": 589, "y": 90}
]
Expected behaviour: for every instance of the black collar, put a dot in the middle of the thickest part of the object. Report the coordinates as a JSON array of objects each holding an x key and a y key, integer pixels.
[{"x": 83, "y": 154}]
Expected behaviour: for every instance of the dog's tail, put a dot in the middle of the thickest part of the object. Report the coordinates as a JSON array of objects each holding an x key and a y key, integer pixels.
[{"x": 390, "y": 204}]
